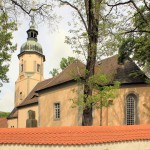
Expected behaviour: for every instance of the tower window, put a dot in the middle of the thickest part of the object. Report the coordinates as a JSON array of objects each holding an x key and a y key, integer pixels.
[
  {"x": 131, "y": 109},
  {"x": 20, "y": 95},
  {"x": 35, "y": 35},
  {"x": 38, "y": 68},
  {"x": 31, "y": 34},
  {"x": 56, "y": 110},
  {"x": 21, "y": 67}
]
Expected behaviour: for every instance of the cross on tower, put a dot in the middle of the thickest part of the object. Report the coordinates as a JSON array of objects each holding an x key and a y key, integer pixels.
[{"x": 33, "y": 14}]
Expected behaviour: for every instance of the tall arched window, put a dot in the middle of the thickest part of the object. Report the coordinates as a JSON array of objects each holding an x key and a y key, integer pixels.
[{"x": 131, "y": 109}]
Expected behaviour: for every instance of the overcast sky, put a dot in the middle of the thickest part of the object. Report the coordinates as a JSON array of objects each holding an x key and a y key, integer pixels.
[{"x": 54, "y": 49}]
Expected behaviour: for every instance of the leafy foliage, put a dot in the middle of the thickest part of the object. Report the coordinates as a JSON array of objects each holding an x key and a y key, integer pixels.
[
  {"x": 6, "y": 46},
  {"x": 103, "y": 92},
  {"x": 92, "y": 36},
  {"x": 137, "y": 44},
  {"x": 79, "y": 37},
  {"x": 63, "y": 64},
  {"x": 4, "y": 114},
  {"x": 54, "y": 72}
]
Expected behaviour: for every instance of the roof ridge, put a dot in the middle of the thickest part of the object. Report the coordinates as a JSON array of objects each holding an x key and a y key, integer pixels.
[
  {"x": 57, "y": 76},
  {"x": 12, "y": 113},
  {"x": 116, "y": 55}
]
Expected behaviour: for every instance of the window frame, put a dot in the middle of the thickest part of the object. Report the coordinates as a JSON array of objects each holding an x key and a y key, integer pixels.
[
  {"x": 56, "y": 111},
  {"x": 20, "y": 96},
  {"x": 136, "y": 111},
  {"x": 38, "y": 67},
  {"x": 21, "y": 70}
]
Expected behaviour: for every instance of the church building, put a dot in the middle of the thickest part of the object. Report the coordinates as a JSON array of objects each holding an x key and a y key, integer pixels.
[{"x": 45, "y": 103}]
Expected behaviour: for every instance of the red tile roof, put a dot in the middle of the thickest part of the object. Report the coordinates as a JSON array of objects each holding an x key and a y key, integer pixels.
[
  {"x": 3, "y": 123},
  {"x": 74, "y": 135}
]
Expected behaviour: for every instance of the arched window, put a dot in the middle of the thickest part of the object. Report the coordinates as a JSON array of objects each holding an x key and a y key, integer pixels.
[{"x": 131, "y": 114}]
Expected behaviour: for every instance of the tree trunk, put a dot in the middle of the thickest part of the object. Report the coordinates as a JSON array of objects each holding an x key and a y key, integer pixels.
[{"x": 87, "y": 119}]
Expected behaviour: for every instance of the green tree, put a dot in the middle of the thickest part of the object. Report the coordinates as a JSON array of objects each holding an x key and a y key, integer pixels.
[
  {"x": 4, "y": 114},
  {"x": 66, "y": 61},
  {"x": 93, "y": 34},
  {"x": 63, "y": 64},
  {"x": 105, "y": 93},
  {"x": 54, "y": 72},
  {"x": 134, "y": 32},
  {"x": 6, "y": 45},
  {"x": 103, "y": 96},
  {"x": 137, "y": 44}
]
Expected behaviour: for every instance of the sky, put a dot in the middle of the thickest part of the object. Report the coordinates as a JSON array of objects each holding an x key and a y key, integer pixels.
[{"x": 54, "y": 49}]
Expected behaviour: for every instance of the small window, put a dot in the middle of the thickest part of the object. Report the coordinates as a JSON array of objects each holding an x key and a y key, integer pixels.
[
  {"x": 20, "y": 95},
  {"x": 56, "y": 110},
  {"x": 110, "y": 102},
  {"x": 35, "y": 35},
  {"x": 31, "y": 34},
  {"x": 38, "y": 68},
  {"x": 21, "y": 67}
]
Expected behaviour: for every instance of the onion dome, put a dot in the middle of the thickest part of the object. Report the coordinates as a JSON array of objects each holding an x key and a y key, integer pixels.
[{"x": 32, "y": 45}]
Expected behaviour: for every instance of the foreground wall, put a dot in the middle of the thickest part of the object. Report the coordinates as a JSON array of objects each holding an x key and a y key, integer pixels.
[
  {"x": 135, "y": 137},
  {"x": 136, "y": 145}
]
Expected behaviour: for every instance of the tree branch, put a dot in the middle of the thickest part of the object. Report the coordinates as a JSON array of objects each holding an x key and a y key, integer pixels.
[
  {"x": 138, "y": 10},
  {"x": 117, "y": 4},
  {"x": 28, "y": 11},
  {"x": 67, "y": 3},
  {"x": 135, "y": 6},
  {"x": 146, "y": 5},
  {"x": 132, "y": 31},
  {"x": 109, "y": 12},
  {"x": 20, "y": 6}
]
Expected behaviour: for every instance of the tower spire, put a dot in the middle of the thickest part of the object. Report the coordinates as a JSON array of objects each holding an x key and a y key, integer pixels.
[{"x": 32, "y": 32}]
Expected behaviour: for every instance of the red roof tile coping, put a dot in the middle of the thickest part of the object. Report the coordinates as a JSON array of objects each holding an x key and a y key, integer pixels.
[{"x": 74, "y": 135}]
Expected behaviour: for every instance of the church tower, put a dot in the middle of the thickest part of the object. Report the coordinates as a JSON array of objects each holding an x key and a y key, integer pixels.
[{"x": 31, "y": 65}]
